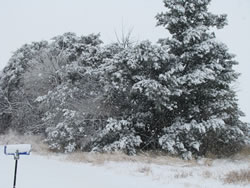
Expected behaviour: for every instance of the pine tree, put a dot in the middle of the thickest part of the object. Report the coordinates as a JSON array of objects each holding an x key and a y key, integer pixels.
[
  {"x": 207, "y": 113},
  {"x": 141, "y": 83}
]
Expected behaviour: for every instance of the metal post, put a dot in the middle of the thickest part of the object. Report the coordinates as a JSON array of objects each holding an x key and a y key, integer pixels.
[
  {"x": 16, "y": 151},
  {"x": 16, "y": 157},
  {"x": 14, "y": 185}
]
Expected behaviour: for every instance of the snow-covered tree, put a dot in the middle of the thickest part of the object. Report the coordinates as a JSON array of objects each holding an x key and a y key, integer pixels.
[
  {"x": 175, "y": 96},
  {"x": 17, "y": 111},
  {"x": 54, "y": 87},
  {"x": 71, "y": 90},
  {"x": 207, "y": 117},
  {"x": 141, "y": 83}
]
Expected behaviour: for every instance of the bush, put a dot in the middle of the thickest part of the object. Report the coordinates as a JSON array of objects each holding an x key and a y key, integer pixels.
[
  {"x": 212, "y": 136},
  {"x": 118, "y": 135},
  {"x": 64, "y": 137}
]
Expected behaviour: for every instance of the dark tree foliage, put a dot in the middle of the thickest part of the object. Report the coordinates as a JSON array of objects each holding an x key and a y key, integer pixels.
[
  {"x": 207, "y": 100},
  {"x": 174, "y": 96}
]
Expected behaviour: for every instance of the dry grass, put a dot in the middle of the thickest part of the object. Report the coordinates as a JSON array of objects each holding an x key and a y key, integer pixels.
[
  {"x": 245, "y": 151},
  {"x": 238, "y": 177},
  {"x": 40, "y": 147},
  {"x": 145, "y": 170},
  {"x": 208, "y": 162},
  {"x": 211, "y": 156},
  {"x": 207, "y": 174},
  {"x": 147, "y": 158},
  {"x": 182, "y": 175},
  {"x": 97, "y": 158},
  {"x": 244, "y": 154},
  {"x": 157, "y": 158},
  {"x": 37, "y": 143}
]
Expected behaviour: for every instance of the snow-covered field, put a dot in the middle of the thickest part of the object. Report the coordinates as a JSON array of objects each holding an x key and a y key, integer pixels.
[{"x": 43, "y": 171}]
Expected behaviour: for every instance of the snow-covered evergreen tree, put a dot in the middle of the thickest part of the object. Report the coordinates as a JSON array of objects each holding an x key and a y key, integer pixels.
[
  {"x": 176, "y": 95},
  {"x": 207, "y": 114},
  {"x": 141, "y": 83}
]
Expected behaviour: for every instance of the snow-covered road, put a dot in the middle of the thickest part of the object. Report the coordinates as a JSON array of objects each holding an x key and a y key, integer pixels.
[{"x": 36, "y": 171}]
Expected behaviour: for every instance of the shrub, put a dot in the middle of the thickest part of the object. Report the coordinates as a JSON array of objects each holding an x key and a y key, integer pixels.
[
  {"x": 212, "y": 136},
  {"x": 118, "y": 135}
]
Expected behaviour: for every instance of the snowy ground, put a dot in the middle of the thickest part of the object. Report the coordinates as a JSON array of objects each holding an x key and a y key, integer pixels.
[{"x": 36, "y": 171}]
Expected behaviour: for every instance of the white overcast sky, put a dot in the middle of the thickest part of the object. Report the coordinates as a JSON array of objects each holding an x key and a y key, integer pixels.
[{"x": 24, "y": 21}]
